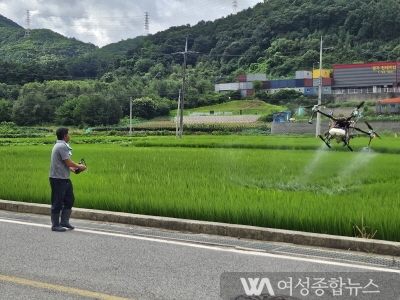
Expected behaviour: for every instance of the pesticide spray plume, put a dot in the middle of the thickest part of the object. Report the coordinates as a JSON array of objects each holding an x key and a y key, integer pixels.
[
  {"x": 310, "y": 168},
  {"x": 340, "y": 181}
]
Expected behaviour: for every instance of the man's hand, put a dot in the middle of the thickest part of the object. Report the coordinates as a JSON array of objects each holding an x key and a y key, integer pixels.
[
  {"x": 74, "y": 166},
  {"x": 82, "y": 167}
]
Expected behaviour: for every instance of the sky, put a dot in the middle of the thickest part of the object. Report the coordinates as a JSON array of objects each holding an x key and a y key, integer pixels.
[{"x": 102, "y": 22}]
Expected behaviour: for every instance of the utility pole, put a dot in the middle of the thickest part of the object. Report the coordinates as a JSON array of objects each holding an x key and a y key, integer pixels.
[
  {"x": 182, "y": 93},
  {"x": 177, "y": 135},
  {"x": 130, "y": 116},
  {"x": 318, "y": 125}
]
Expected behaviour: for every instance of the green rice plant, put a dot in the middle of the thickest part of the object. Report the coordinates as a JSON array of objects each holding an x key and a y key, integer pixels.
[
  {"x": 305, "y": 187},
  {"x": 292, "y": 142}
]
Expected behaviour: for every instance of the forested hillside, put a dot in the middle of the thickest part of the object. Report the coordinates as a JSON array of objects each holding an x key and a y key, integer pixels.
[
  {"x": 4, "y": 22},
  {"x": 277, "y": 37}
]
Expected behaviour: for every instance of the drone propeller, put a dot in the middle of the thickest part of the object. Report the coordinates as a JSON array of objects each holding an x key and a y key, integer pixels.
[
  {"x": 355, "y": 112},
  {"x": 360, "y": 105},
  {"x": 372, "y": 130},
  {"x": 369, "y": 126},
  {"x": 314, "y": 110},
  {"x": 316, "y": 105},
  {"x": 311, "y": 106},
  {"x": 371, "y": 133}
]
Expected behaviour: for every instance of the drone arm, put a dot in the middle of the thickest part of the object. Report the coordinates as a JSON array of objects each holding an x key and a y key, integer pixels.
[
  {"x": 358, "y": 129},
  {"x": 322, "y": 113},
  {"x": 371, "y": 134},
  {"x": 326, "y": 115}
]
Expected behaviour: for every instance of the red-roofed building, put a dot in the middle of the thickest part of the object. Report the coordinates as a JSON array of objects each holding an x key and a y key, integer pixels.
[{"x": 388, "y": 106}]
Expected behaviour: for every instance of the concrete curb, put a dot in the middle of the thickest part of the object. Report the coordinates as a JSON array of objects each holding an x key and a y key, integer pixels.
[{"x": 214, "y": 228}]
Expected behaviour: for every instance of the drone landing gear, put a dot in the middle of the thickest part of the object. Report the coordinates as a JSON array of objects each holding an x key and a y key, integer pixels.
[
  {"x": 327, "y": 142},
  {"x": 345, "y": 143}
]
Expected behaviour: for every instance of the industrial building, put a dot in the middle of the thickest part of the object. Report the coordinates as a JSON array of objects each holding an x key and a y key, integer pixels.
[{"x": 378, "y": 77}]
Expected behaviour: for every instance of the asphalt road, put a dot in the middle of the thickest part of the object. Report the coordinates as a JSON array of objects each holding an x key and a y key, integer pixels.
[{"x": 109, "y": 262}]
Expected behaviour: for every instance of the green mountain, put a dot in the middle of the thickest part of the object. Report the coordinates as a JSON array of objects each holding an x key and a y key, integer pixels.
[
  {"x": 282, "y": 36},
  {"x": 4, "y": 22},
  {"x": 41, "y": 45},
  {"x": 277, "y": 37}
]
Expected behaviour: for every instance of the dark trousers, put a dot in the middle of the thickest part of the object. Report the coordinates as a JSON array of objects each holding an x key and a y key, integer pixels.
[{"x": 62, "y": 195}]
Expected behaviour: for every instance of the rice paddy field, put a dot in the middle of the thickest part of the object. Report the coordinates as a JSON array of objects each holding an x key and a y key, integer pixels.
[{"x": 284, "y": 182}]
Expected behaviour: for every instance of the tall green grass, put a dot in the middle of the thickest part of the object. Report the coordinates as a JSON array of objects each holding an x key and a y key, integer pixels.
[{"x": 319, "y": 190}]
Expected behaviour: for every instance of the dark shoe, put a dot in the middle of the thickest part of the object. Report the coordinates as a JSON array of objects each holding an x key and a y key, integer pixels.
[
  {"x": 55, "y": 221},
  {"x": 65, "y": 215}
]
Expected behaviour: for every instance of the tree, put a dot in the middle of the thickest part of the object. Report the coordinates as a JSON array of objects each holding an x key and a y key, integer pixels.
[
  {"x": 144, "y": 108},
  {"x": 162, "y": 109},
  {"x": 285, "y": 95},
  {"x": 95, "y": 110},
  {"x": 257, "y": 85},
  {"x": 5, "y": 110},
  {"x": 64, "y": 115},
  {"x": 234, "y": 95},
  {"x": 143, "y": 65},
  {"x": 32, "y": 109}
]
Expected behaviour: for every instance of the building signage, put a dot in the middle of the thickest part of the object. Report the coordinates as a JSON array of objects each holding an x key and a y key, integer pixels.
[{"x": 384, "y": 69}]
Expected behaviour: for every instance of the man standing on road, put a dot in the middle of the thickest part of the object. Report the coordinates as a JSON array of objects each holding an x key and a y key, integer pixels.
[{"x": 62, "y": 194}]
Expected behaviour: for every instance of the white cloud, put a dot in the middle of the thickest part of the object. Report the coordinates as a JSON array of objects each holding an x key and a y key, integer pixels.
[{"x": 102, "y": 22}]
